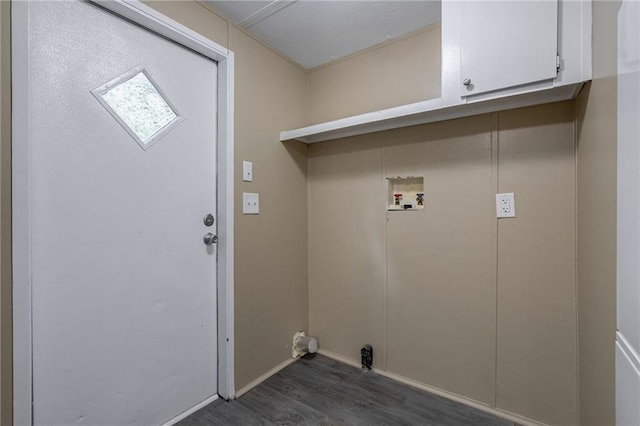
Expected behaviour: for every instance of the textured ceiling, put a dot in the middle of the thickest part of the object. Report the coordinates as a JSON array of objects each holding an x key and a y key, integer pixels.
[{"x": 314, "y": 32}]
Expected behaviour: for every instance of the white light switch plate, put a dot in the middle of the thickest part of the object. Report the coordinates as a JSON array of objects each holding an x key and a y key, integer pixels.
[
  {"x": 247, "y": 171},
  {"x": 250, "y": 203},
  {"x": 505, "y": 205}
]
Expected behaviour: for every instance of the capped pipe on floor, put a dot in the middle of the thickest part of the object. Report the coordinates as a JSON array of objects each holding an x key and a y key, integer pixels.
[{"x": 303, "y": 345}]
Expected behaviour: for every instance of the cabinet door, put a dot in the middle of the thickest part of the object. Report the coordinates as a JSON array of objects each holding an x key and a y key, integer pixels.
[{"x": 507, "y": 43}]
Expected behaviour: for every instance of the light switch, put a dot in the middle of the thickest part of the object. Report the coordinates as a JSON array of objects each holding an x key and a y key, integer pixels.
[
  {"x": 247, "y": 171},
  {"x": 250, "y": 203}
]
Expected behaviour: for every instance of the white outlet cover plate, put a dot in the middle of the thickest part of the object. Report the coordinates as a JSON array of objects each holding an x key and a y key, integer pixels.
[
  {"x": 505, "y": 205},
  {"x": 250, "y": 203},
  {"x": 247, "y": 171}
]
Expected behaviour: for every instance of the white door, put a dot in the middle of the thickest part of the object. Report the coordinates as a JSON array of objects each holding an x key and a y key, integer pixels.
[
  {"x": 124, "y": 290},
  {"x": 628, "y": 267},
  {"x": 506, "y": 44}
]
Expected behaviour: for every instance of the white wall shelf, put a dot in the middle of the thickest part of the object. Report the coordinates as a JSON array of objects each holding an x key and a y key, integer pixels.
[{"x": 422, "y": 113}]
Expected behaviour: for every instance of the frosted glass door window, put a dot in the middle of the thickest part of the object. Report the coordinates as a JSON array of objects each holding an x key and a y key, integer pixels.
[{"x": 136, "y": 102}]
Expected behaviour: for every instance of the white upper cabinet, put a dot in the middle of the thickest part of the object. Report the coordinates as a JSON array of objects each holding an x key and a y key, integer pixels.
[
  {"x": 515, "y": 53},
  {"x": 507, "y": 48},
  {"x": 505, "y": 44}
]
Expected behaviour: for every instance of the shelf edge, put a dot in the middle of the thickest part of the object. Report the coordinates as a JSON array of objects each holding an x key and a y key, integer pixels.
[{"x": 424, "y": 112}]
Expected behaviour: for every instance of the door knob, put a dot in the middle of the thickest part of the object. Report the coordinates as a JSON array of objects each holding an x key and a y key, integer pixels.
[
  {"x": 466, "y": 81},
  {"x": 209, "y": 239}
]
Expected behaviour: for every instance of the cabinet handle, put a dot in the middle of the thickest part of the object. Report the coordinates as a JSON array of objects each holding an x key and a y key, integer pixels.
[{"x": 466, "y": 81}]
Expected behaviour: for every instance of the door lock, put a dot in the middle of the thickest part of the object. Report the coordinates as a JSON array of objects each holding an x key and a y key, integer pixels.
[{"x": 208, "y": 220}]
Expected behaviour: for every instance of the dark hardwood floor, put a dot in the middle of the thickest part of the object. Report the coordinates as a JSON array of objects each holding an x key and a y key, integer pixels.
[{"x": 320, "y": 391}]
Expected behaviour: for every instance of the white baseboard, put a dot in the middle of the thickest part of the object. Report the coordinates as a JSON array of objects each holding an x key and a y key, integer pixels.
[
  {"x": 340, "y": 358},
  {"x": 264, "y": 377},
  {"x": 190, "y": 411},
  {"x": 524, "y": 421}
]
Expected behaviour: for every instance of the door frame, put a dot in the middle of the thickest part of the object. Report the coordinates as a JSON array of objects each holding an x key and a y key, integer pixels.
[
  {"x": 156, "y": 22},
  {"x": 627, "y": 356}
]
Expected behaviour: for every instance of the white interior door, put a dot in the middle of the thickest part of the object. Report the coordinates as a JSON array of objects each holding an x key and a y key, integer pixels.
[
  {"x": 628, "y": 253},
  {"x": 124, "y": 288}
]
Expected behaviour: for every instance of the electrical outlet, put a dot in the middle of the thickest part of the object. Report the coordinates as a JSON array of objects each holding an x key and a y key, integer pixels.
[{"x": 505, "y": 205}]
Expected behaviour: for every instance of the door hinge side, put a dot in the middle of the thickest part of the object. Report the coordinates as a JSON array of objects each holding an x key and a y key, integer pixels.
[{"x": 557, "y": 63}]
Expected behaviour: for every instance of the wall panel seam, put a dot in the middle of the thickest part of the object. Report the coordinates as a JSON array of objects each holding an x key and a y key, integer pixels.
[
  {"x": 385, "y": 266},
  {"x": 576, "y": 260},
  {"x": 495, "y": 139},
  {"x": 309, "y": 237},
  {"x": 6, "y": 271}
]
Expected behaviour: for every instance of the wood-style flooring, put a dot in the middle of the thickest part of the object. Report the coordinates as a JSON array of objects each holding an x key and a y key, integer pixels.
[{"x": 321, "y": 391}]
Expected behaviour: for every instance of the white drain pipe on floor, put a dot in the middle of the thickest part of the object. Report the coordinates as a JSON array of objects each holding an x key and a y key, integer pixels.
[{"x": 303, "y": 345}]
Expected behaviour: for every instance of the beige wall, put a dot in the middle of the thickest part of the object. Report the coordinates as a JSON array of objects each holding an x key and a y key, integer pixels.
[
  {"x": 597, "y": 134},
  {"x": 271, "y": 260},
  {"x": 392, "y": 74},
  {"x": 6, "y": 356},
  {"x": 271, "y": 300},
  {"x": 537, "y": 333},
  {"x": 347, "y": 245},
  {"x": 451, "y": 296},
  {"x": 440, "y": 286}
]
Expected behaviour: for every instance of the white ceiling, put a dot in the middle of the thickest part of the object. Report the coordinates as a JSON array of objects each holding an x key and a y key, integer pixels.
[{"x": 314, "y": 32}]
